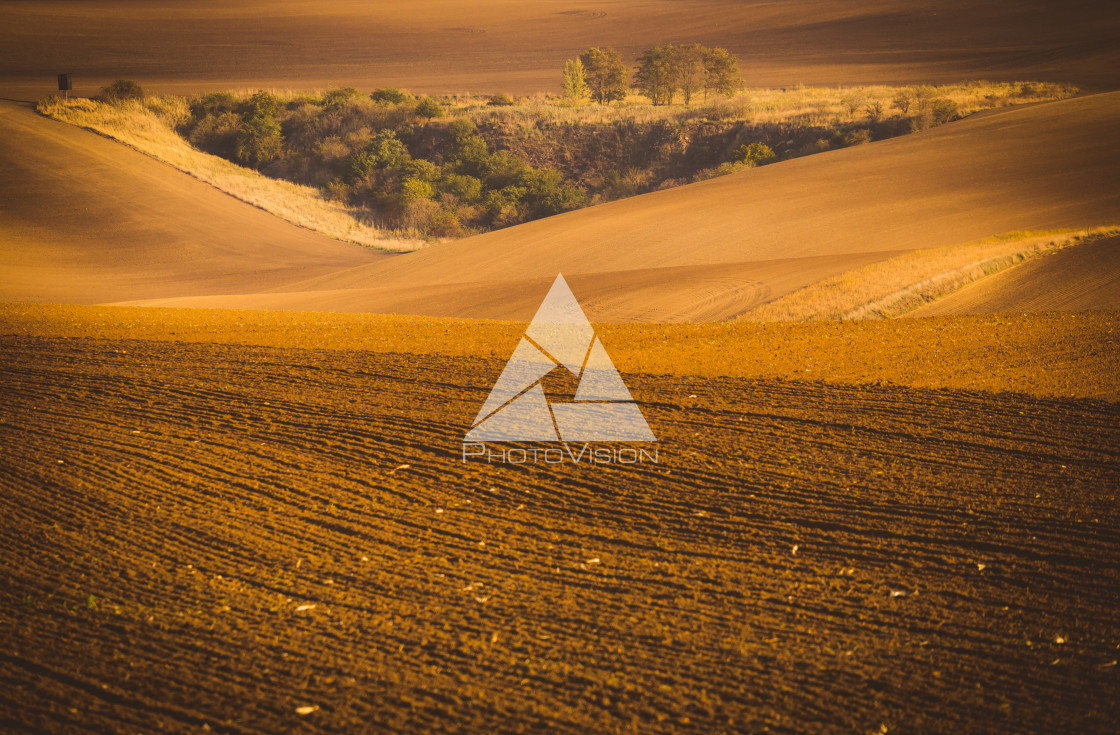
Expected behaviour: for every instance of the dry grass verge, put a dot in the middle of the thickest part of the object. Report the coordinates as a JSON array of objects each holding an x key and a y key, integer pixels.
[{"x": 895, "y": 286}]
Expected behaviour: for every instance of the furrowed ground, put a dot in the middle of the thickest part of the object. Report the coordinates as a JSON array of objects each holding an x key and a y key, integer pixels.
[{"x": 211, "y": 526}]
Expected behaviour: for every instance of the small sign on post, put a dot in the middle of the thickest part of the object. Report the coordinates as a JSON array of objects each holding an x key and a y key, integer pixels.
[{"x": 65, "y": 84}]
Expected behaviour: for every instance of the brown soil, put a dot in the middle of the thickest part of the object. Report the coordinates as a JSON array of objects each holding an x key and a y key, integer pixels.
[
  {"x": 514, "y": 46},
  {"x": 84, "y": 219},
  {"x": 806, "y": 557}
]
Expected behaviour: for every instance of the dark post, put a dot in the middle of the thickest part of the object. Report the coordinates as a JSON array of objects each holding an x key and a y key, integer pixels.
[{"x": 65, "y": 84}]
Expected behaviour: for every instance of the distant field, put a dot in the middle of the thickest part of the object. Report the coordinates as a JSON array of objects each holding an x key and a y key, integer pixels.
[{"x": 441, "y": 46}]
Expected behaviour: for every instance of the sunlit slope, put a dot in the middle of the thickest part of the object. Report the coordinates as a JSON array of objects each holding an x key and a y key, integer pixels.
[
  {"x": 84, "y": 219},
  {"x": 515, "y": 46},
  {"x": 1080, "y": 278},
  {"x": 1042, "y": 167}
]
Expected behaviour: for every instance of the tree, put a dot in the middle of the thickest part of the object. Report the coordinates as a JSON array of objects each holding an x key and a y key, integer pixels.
[
  {"x": 688, "y": 61},
  {"x": 721, "y": 72},
  {"x": 755, "y": 154},
  {"x": 656, "y": 76},
  {"x": 259, "y": 140},
  {"x": 902, "y": 100},
  {"x": 575, "y": 83},
  {"x": 605, "y": 74},
  {"x": 429, "y": 108}
]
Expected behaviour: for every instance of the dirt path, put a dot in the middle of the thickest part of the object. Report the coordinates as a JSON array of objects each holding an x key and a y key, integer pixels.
[{"x": 213, "y": 534}]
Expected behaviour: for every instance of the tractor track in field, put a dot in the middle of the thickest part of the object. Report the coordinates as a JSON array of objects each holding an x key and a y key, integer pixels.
[{"x": 212, "y": 534}]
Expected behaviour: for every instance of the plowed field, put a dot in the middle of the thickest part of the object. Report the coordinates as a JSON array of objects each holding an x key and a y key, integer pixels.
[{"x": 197, "y": 534}]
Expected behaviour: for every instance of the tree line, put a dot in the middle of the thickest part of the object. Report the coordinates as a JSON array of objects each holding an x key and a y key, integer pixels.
[{"x": 662, "y": 72}]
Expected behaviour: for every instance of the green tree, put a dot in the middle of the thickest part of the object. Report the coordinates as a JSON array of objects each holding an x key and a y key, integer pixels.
[
  {"x": 656, "y": 76},
  {"x": 259, "y": 140},
  {"x": 755, "y": 154},
  {"x": 575, "y": 82},
  {"x": 689, "y": 67},
  {"x": 429, "y": 108},
  {"x": 721, "y": 72},
  {"x": 261, "y": 104},
  {"x": 606, "y": 75}
]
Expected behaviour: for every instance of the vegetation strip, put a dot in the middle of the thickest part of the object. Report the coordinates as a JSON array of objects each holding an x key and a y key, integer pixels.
[{"x": 389, "y": 170}]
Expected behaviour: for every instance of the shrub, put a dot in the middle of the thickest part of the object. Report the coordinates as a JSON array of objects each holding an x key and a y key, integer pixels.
[
  {"x": 754, "y": 154},
  {"x": 414, "y": 189},
  {"x": 500, "y": 100},
  {"x": 259, "y": 140},
  {"x": 216, "y": 134},
  {"x": 466, "y": 189},
  {"x": 902, "y": 100},
  {"x": 260, "y": 104},
  {"x": 384, "y": 151},
  {"x": 120, "y": 89},
  {"x": 336, "y": 97},
  {"x": 461, "y": 129},
  {"x": 215, "y": 103},
  {"x": 390, "y": 95},
  {"x": 429, "y": 108},
  {"x": 943, "y": 110}
]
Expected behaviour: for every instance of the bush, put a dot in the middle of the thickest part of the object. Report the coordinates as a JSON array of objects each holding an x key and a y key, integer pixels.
[
  {"x": 384, "y": 151},
  {"x": 337, "y": 97},
  {"x": 259, "y": 140},
  {"x": 414, "y": 189},
  {"x": 462, "y": 129},
  {"x": 754, "y": 154},
  {"x": 121, "y": 89},
  {"x": 429, "y": 108},
  {"x": 390, "y": 96},
  {"x": 216, "y": 133},
  {"x": 216, "y": 103},
  {"x": 501, "y": 100},
  {"x": 261, "y": 104},
  {"x": 466, "y": 189}
]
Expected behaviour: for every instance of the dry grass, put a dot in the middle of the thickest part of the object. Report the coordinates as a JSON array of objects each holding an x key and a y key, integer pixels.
[
  {"x": 892, "y": 287},
  {"x": 823, "y": 106},
  {"x": 149, "y": 127}
]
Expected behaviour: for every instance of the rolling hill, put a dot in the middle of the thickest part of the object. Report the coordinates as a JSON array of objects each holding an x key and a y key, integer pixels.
[
  {"x": 715, "y": 249},
  {"x": 84, "y": 219}
]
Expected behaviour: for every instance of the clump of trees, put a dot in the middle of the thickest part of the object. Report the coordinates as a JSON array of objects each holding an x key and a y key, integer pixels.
[
  {"x": 470, "y": 188},
  {"x": 387, "y": 153},
  {"x": 689, "y": 69}
]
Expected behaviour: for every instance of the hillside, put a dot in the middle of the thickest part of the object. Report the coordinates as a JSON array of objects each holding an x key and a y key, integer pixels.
[
  {"x": 654, "y": 256},
  {"x": 84, "y": 219}
]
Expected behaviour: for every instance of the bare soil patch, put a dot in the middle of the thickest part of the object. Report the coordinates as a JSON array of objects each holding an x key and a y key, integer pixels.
[{"x": 228, "y": 535}]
